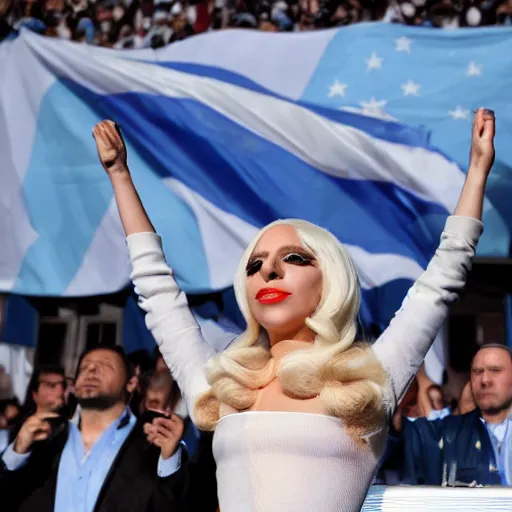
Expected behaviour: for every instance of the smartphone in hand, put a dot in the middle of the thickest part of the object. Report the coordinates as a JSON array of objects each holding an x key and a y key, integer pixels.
[
  {"x": 150, "y": 414},
  {"x": 57, "y": 424}
]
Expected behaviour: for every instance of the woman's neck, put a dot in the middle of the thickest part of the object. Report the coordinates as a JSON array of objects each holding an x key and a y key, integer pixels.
[
  {"x": 301, "y": 335},
  {"x": 285, "y": 347}
]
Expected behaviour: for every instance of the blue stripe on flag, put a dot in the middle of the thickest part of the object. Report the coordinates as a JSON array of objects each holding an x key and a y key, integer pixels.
[
  {"x": 21, "y": 322},
  {"x": 230, "y": 166},
  {"x": 67, "y": 196},
  {"x": 384, "y": 130}
]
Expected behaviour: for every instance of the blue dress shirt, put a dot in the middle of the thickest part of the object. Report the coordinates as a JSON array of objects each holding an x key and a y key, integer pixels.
[
  {"x": 501, "y": 438},
  {"x": 80, "y": 474}
]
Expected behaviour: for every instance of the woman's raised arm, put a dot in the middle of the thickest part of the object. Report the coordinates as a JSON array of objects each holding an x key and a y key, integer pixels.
[
  {"x": 167, "y": 313},
  {"x": 402, "y": 347},
  {"x": 112, "y": 153}
]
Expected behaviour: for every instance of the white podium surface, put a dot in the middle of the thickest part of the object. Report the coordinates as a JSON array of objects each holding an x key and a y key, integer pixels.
[{"x": 438, "y": 499}]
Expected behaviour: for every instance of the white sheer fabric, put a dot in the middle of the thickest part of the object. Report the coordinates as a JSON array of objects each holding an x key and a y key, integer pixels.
[{"x": 291, "y": 462}]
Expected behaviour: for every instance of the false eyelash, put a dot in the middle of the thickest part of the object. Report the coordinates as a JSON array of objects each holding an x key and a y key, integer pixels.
[{"x": 253, "y": 267}]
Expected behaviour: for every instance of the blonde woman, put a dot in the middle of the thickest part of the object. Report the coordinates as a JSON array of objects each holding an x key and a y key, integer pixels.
[{"x": 299, "y": 408}]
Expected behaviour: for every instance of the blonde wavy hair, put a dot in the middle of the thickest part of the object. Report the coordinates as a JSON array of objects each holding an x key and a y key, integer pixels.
[{"x": 345, "y": 374}]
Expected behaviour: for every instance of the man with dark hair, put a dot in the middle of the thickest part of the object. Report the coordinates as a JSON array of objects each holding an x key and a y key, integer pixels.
[
  {"x": 473, "y": 448},
  {"x": 106, "y": 461},
  {"x": 45, "y": 392},
  {"x": 162, "y": 392}
]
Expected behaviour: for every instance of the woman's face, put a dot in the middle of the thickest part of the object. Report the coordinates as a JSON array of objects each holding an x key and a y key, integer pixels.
[{"x": 284, "y": 284}]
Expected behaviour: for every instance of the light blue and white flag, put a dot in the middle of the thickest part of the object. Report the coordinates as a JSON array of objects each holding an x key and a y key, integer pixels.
[
  {"x": 219, "y": 144},
  {"x": 432, "y": 78}
]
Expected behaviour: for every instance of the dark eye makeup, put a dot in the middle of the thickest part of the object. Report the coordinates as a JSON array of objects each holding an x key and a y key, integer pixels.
[
  {"x": 297, "y": 259},
  {"x": 253, "y": 267},
  {"x": 294, "y": 258}
]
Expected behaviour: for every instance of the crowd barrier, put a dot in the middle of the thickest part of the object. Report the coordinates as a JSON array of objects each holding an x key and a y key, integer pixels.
[{"x": 438, "y": 499}]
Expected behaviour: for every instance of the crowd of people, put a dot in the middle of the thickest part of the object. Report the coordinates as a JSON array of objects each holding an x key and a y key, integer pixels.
[
  {"x": 434, "y": 434},
  {"x": 155, "y": 23},
  {"x": 117, "y": 436},
  {"x": 108, "y": 383},
  {"x": 134, "y": 425}
]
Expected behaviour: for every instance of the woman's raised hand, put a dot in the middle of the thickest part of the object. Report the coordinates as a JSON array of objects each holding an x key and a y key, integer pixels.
[
  {"x": 481, "y": 159},
  {"x": 482, "y": 142},
  {"x": 112, "y": 152},
  {"x": 111, "y": 147}
]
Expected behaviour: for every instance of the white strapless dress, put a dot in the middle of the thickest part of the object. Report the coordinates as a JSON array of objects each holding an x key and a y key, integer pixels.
[
  {"x": 291, "y": 462},
  {"x": 299, "y": 462}
]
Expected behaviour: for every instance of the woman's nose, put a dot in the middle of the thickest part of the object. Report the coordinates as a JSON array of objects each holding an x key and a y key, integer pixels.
[
  {"x": 272, "y": 276},
  {"x": 271, "y": 270}
]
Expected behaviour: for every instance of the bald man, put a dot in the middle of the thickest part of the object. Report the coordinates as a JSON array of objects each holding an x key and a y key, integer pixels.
[
  {"x": 491, "y": 383},
  {"x": 469, "y": 449}
]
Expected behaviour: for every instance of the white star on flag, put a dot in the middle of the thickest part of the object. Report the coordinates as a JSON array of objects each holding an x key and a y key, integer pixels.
[
  {"x": 410, "y": 88},
  {"x": 459, "y": 113},
  {"x": 373, "y": 107},
  {"x": 374, "y": 62},
  {"x": 474, "y": 69},
  {"x": 337, "y": 89},
  {"x": 403, "y": 44}
]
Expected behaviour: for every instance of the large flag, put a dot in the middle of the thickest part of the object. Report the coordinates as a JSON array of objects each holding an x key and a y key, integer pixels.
[
  {"x": 224, "y": 135},
  {"x": 431, "y": 78}
]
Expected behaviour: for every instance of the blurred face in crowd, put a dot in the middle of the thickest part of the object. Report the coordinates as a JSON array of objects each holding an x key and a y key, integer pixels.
[
  {"x": 9, "y": 415},
  {"x": 504, "y": 13},
  {"x": 126, "y": 31},
  {"x": 435, "y": 396},
  {"x": 50, "y": 392},
  {"x": 156, "y": 398},
  {"x": 11, "y": 412},
  {"x": 284, "y": 282},
  {"x": 102, "y": 381},
  {"x": 179, "y": 22},
  {"x": 491, "y": 380},
  {"x": 307, "y": 21},
  {"x": 158, "y": 391},
  {"x": 267, "y": 26}
]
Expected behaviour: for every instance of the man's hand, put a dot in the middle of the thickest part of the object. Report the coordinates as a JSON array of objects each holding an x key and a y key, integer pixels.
[
  {"x": 482, "y": 142},
  {"x": 35, "y": 428},
  {"x": 166, "y": 433},
  {"x": 111, "y": 147}
]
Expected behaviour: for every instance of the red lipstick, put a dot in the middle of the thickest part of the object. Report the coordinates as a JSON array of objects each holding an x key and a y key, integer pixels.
[{"x": 271, "y": 295}]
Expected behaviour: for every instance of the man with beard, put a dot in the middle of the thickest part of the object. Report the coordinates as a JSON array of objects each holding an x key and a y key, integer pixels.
[
  {"x": 469, "y": 449},
  {"x": 106, "y": 461}
]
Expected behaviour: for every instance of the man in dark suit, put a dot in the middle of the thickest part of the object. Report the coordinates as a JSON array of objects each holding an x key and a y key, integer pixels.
[
  {"x": 45, "y": 393},
  {"x": 471, "y": 449},
  {"x": 107, "y": 461}
]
